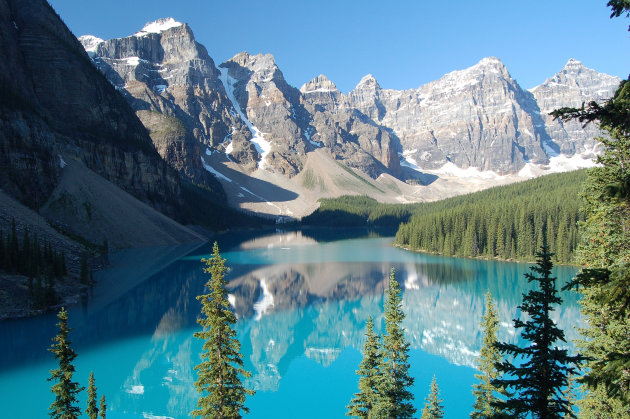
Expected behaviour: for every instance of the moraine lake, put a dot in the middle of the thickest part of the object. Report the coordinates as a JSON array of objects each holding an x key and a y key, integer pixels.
[{"x": 302, "y": 299}]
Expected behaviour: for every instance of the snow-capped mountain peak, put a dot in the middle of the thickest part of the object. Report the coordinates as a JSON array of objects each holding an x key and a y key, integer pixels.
[
  {"x": 320, "y": 83},
  {"x": 158, "y": 26},
  {"x": 90, "y": 43},
  {"x": 368, "y": 82}
]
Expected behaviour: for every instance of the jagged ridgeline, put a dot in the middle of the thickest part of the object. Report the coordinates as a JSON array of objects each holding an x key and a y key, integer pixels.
[{"x": 506, "y": 222}]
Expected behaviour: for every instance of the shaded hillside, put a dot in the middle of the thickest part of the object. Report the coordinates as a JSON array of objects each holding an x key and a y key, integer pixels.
[{"x": 57, "y": 107}]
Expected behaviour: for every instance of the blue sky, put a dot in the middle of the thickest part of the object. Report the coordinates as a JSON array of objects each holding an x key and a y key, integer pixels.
[{"x": 403, "y": 43}]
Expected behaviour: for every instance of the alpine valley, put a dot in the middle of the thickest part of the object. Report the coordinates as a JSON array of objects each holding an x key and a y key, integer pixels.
[
  {"x": 139, "y": 141},
  {"x": 277, "y": 149}
]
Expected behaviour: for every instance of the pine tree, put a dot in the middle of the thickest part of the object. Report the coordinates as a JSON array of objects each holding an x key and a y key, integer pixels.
[
  {"x": 65, "y": 390},
  {"x": 222, "y": 394},
  {"x": 103, "y": 408},
  {"x": 433, "y": 408},
  {"x": 605, "y": 251},
  {"x": 485, "y": 391},
  {"x": 369, "y": 373},
  {"x": 542, "y": 369},
  {"x": 91, "y": 410},
  {"x": 395, "y": 399}
]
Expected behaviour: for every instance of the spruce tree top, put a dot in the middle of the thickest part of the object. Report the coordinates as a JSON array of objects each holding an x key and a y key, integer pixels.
[
  {"x": 65, "y": 390},
  {"x": 541, "y": 369}
]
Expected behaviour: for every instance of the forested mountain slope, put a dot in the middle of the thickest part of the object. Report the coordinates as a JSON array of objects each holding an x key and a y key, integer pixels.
[{"x": 506, "y": 222}]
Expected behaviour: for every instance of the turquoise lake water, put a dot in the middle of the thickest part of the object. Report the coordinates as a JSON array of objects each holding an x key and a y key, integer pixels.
[{"x": 302, "y": 299}]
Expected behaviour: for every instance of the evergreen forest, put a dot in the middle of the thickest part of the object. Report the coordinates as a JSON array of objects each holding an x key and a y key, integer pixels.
[
  {"x": 39, "y": 261},
  {"x": 505, "y": 222}
]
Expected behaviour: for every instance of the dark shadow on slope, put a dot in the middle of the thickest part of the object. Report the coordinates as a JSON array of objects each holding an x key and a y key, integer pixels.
[
  {"x": 252, "y": 189},
  {"x": 413, "y": 176}
]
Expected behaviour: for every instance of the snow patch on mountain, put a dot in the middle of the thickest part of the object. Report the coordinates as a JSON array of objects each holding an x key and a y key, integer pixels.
[
  {"x": 158, "y": 26},
  {"x": 558, "y": 164},
  {"x": 213, "y": 170},
  {"x": 262, "y": 146},
  {"x": 90, "y": 43}
]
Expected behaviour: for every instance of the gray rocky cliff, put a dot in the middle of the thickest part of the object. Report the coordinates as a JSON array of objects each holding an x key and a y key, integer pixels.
[
  {"x": 574, "y": 85},
  {"x": 477, "y": 117},
  {"x": 173, "y": 85},
  {"x": 351, "y": 132},
  {"x": 55, "y": 105},
  {"x": 271, "y": 107}
]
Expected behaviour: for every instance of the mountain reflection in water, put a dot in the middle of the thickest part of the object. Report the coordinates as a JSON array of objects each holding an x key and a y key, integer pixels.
[{"x": 294, "y": 297}]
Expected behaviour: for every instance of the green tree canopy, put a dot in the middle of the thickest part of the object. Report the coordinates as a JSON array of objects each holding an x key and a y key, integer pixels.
[
  {"x": 395, "y": 399},
  {"x": 369, "y": 374},
  {"x": 540, "y": 370},
  {"x": 66, "y": 405},
  {"x": 92, "y": 409},
  {"x": 485, "y": 391},
  {"x": 222, "y": 394},
  {"x": 433, "y": 408}
]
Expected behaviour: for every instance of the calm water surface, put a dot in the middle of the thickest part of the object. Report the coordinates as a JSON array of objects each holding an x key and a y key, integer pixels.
[{"x": 302, "y": 299}]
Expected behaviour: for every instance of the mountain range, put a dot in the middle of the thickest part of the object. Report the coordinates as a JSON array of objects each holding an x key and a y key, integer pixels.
[
  {"x": 131, "y": 141},
  {"x": 276, "y": 149}
]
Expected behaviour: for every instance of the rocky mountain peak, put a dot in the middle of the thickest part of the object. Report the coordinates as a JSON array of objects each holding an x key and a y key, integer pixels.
[
  {"x": 572, "y": 86},
  {"x": 90, "y": 43},
  {"x": 368, "y": 82},
  {"x": 490, "y": 65},
  {"x": 320, "y": 83},
  {"x": 158, "y": 26},
  {"x": 573, "y": 65},
  {"x": 256, "y": 63},
  {"x": 586, "y": 82}
]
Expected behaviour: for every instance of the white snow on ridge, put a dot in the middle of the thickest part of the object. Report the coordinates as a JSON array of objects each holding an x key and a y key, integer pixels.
[
  {"x": 133, "y": 60},
  {"x": 213, "y": 171},
  {"x": 90, "y": 42},
  {"x": 450, "y": 169},
  {"x": 158, "y": 26},
  {"x": 408, "y": 161},
  {"x": 262, "y": 146},
  {"x": 557, "y": 164}
]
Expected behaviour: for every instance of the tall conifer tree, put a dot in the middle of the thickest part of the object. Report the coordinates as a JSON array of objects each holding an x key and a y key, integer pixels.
[
  {"x": 605, "y": 251},
  {"x": 222, "y": 394},
  {"x": 103, "y": 408},
  {"x": 485, "y": 391},
  {"x": 369, "y": 373},
  {"x": 541, "y": 369},
  {"x": 433, "y": 408},
  {"x": 395, "y": 399},
  {"x": 65, "y": 390},
  {"x": 91, "y": 410}
]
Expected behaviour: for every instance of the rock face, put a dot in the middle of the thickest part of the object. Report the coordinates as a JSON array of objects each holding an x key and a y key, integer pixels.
[
  {"x": 174, "y": 87},
  {"x": 66, "y": 111},
  {"x": 572, "y": 86},
  {"x": 246, "y": 111},
  {"x": 476, "y": 117},
  {"x": 270, "y": 108}
]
